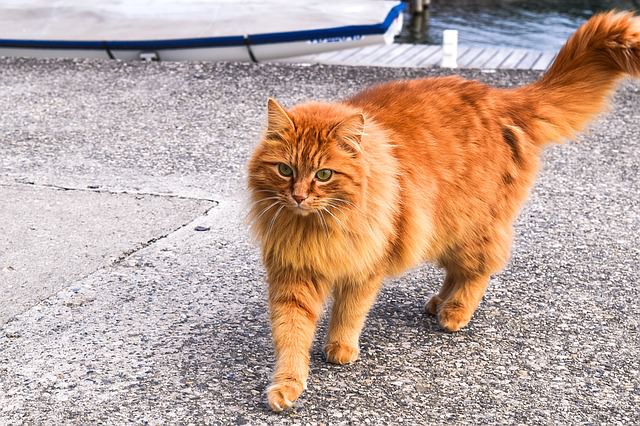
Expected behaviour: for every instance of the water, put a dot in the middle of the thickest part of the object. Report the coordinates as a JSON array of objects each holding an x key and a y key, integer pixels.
[{"x": 539, "y": 24}]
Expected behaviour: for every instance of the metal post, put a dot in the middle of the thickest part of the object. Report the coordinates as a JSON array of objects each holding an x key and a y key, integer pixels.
[{"x": 417, "y": 6}]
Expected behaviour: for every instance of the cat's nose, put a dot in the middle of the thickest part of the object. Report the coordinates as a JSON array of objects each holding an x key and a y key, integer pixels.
[{"x": 299, "y": 198}]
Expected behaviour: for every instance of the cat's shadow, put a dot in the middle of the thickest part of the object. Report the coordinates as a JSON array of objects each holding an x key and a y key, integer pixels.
[{"x": 231, "y": 358}]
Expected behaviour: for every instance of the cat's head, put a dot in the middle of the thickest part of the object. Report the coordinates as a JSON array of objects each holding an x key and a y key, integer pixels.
[{"x": 308, "y": 163}]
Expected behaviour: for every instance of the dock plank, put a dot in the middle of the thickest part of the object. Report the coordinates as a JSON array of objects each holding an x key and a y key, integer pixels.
[
  {"x": 544, "y": 61},
  {"x": 407, "y": 55},
  {"x": 398, "y": 51},
  {"x": 468, "y": 57},
  {"x": 410, "y": 55},
  {"x": 365, "y": 54},
  {"x": 342, "y": 55},
  {"x": 498, "y": 58},
  {"x": 422, "y": 54},
  {"x": 328, "y": 55},
  {"x": 480, "y": 60},
  {"x": 377, "y": 57},
  {"x": 513, "y": 59},
  {"x": 530, "y": 58},
  {"x": 432, "y": 60},
  {"x": 462, "y": 51}
]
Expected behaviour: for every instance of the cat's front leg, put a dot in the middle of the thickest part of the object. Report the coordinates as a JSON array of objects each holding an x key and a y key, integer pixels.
[
  {"x": 352, "y": 302},
  {"x": 296, "y": 304}
]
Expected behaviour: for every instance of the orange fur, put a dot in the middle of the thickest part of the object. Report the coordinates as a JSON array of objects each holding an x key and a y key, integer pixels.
[{"x": 423, "y": 170}]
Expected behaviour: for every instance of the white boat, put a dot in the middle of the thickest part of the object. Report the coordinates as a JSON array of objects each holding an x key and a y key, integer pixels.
[{"x": 174, "y": 30}]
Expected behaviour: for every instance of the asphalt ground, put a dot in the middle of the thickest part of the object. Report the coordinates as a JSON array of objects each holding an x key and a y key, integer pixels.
[{"x": 114, "y": 309}]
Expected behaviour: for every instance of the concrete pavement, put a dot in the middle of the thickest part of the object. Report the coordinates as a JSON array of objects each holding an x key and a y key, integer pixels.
[{"x": 116, "y": 310}]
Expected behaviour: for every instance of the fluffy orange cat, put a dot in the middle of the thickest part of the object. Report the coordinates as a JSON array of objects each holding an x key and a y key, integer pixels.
[{"x": 346, "y": 194}]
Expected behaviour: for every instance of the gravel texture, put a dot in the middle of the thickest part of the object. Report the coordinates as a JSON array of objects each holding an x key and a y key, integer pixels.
[{"x": 176, "y": 330}]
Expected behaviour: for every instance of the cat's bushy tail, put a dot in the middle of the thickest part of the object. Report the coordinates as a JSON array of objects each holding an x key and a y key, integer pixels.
[{"x": 587, "y": 69}]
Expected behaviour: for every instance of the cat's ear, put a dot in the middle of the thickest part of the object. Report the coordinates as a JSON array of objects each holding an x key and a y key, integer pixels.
[
  {"x": 349, "y": 133},
  {"x": 278, "y": 119}
]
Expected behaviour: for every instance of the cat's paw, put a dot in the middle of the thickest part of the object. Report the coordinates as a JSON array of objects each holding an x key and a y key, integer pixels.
[
  {"x": 432, "y": 305},
  {"x": 282, "y": 395},
  {"x": 339, "y": 353},
  {"x": 454, "y": 316}
]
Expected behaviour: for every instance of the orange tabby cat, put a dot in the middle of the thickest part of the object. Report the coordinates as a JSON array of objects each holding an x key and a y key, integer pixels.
[{"x": 346, "y": 194}]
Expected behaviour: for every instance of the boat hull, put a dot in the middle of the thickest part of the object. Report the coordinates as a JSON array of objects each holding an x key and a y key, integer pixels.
[{"x": 256, "y": 48}]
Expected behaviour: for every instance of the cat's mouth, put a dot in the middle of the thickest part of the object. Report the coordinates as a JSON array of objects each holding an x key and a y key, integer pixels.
[{"x": 301, "y": 210}]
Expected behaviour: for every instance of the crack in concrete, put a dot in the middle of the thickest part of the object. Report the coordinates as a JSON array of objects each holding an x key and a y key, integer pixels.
[
  {"x": 126, "y": 254},
  {"x": 153, "y": 240},
  {"x": 103, "y": 190}
]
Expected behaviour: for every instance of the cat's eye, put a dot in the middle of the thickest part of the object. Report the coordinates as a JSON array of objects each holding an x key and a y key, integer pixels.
[
  {"x": 324, "y": 175},
  {"x": 285, "y": 170}
]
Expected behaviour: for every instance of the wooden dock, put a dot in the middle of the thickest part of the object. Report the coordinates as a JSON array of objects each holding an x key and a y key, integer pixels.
[{"x": 417, "y": 55}]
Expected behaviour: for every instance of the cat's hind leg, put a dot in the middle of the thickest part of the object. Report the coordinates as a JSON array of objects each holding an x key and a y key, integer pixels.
[
  {"x": 352, "y": 302},
  {"x": 469, "y": 269},
  {"x": 456, "y": 310},
  {"x": 436, "y": 300}
]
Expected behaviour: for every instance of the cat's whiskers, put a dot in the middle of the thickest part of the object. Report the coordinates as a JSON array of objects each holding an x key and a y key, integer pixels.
[
  {"x": 268, "y": 191},
  {"x": 273, "y": 221},
  {"x": 268, "y": 207},
  {"x": 249, "y": 203},
  {"x": 340, "y": 209},
  {"x": 265, "y": 199},
  {"x": 253, "y": 202},
  {"x": 366, "y": 222},
  {"x": 322, "y": 221},
  {"x": 335, "y": 206},
  {"x": 347, "y": 202},
  {"x": 338, "y": 221}
]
